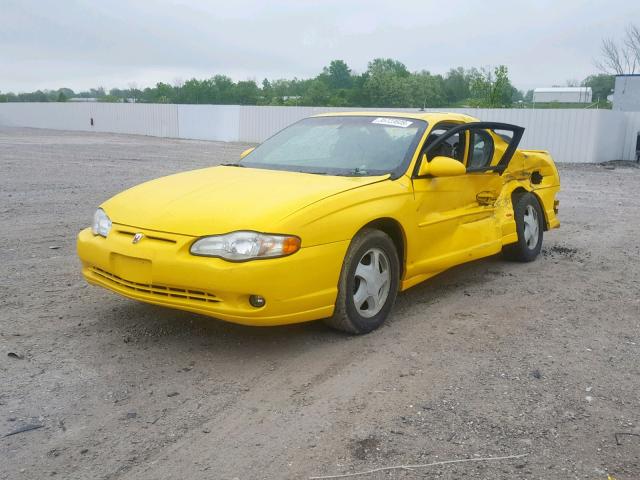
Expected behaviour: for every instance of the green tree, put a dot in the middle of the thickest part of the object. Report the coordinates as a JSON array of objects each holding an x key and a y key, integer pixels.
[
  {"x": 516, "y": 95},
  {"x": 116, "y": 92},
  {"x": 528, "y": 97},
  {"x": 37, "y": 96},
  {"x": 356, "y": 96},
  {"x": 491, "y": 89},
  {"x": 428, "y": 90},
  {"x": 386, "y": 84},
  {"x": 317, "y": 94},
  {"x": 67, "y": 92},
  {"x": 601, "y": 85},
  {"x": 165, "y": 93},
  {"x": 197, "y": 91},
  {"x": 226, "y": 89},
  {"x": 502, "y": 90},
  {"x": 279, "y": 89},
  {"x": 266, "y": 93},
  {"x": 339, "y": 75},
  {"x": 456, "y": 85},
  {"x": 247, "y": 93},
  {"x": 96, "y": 92},
  {"x": 380, "y": 66},
  {"x": 387, "y": 90}
]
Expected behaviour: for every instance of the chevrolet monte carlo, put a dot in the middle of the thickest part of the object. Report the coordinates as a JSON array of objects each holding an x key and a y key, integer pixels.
[{"x": 328, "y": 219}]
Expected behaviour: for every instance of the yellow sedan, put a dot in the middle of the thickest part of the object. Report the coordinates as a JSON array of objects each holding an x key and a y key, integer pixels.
[{"x": 328, "y": 219}]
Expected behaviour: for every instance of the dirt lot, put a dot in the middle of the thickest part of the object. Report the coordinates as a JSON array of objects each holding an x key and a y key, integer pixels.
[{"x": 488, "y": 359}]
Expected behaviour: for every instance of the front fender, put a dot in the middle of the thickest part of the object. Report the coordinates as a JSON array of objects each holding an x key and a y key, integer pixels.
[{"x": 340, "y": 217}]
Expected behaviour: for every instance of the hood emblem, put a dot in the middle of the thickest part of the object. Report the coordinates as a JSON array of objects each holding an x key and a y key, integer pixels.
[{"x": 137, "y": 237}]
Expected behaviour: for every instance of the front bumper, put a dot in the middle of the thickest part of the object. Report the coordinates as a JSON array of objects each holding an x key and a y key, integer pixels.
[{"x": 160, "y": 270}]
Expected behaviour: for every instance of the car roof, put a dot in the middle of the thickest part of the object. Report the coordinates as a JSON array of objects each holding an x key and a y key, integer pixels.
[{"x": 430, "y": 117}]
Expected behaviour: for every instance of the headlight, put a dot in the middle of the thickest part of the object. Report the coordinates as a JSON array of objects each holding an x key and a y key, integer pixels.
[
  {"x": 245, "y": 245},
  {"x": 101, "y": 223}
]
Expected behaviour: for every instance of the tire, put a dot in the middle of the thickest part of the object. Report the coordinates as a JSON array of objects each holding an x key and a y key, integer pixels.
[
  {"x": 362, "y": 307},
  {"x": 529, "y": 225}
]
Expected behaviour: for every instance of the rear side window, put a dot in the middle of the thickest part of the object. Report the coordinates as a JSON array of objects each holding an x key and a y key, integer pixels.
[{"x": 481, "y": 151}]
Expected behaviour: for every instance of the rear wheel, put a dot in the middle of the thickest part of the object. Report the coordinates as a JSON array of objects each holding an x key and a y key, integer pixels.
[
  {"x": 368, "y": 283},
  {"x": 529, "y": 225}
]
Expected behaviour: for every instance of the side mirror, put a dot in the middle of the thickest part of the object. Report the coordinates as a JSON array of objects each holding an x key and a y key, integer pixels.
[
  {"x": 441, "y": 167},
  {"x": 247, "y": 152}
]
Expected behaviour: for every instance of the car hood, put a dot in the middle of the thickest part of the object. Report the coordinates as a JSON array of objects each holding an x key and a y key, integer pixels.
[{"x": 223, "y": 199}]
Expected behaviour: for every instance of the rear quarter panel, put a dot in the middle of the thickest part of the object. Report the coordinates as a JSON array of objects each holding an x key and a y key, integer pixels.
[{"x": 521, "y": 173}]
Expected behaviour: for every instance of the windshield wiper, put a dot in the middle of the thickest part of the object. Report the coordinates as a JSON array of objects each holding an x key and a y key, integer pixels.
[{"x": 232, "y": 165}]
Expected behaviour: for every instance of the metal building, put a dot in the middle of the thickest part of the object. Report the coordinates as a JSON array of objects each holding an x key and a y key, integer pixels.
[
  {"x": 562, "y": 95},
  {"x": 626, "y": 93}
]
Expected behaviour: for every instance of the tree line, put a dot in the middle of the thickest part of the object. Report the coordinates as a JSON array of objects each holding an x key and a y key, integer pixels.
[{"x": 385, "y": 83}]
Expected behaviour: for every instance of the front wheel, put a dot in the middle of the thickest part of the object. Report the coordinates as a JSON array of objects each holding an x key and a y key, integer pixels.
[
  {"x": 529, "y": 225},
  {"x": 368, "y": 283}
]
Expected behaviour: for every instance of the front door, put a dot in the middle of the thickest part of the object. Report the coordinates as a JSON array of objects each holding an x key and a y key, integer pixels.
[{"x": 455, "y": 215}]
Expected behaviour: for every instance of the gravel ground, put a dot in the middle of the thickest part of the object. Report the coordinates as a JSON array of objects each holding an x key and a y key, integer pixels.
[{"x": 488, "y": 359}]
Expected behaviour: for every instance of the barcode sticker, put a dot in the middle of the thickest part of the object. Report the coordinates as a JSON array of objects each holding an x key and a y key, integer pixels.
[{"x": 393, "y": 122}]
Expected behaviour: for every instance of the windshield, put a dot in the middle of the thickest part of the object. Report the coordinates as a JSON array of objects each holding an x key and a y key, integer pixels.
[{"x": 341, "y": 145}]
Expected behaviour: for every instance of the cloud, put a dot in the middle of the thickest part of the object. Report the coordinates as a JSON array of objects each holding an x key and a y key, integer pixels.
[{"x": 114, "y": 43}]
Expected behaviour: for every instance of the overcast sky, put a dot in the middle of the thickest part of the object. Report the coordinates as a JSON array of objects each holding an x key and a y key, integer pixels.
[{"x": 83, "y": 44}]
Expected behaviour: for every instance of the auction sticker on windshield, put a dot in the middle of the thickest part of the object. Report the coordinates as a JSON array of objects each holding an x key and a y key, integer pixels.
[{"x": 394, "y": 122}]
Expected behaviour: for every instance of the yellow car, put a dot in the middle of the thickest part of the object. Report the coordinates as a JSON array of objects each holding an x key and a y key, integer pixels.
[{"x": 328, "y": 219}]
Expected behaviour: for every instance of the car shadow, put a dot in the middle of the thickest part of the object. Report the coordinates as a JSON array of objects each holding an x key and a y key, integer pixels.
[
  {"x": 140, "y": 320},
  {"x": 458, "y": 279}
]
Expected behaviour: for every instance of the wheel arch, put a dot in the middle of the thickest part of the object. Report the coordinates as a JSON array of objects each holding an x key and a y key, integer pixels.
[
  {"x": 393, "y": 228},
  {"x": 519, "y": 191}
]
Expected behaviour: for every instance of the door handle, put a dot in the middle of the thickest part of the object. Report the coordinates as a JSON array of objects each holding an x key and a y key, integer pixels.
[{"x": 486, "y": 198}]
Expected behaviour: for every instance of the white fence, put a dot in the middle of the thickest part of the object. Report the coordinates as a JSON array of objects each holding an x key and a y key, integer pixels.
[{"x": 570, "y": 135}]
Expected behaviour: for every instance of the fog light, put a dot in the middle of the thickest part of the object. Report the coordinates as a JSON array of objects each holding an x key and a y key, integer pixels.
[{"x": 257, "y": 301}]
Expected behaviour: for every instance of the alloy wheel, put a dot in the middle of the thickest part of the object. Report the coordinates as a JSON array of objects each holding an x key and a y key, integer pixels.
[
  {"x": 372, "y": 282},
  {"x": 531, "y": 227}
]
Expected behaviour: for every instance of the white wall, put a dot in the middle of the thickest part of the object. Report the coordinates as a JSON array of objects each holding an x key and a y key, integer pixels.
[
  {"x": 209, "y": 122},
  {"x": 626, "y": 93},
  {"x": 139, "y": 119},
  {"x": 571, "y": 135},
  {"x": 62, "y": 116}
]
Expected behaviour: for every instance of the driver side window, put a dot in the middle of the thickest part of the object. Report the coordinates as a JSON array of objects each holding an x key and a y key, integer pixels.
[{"x": 452, "y": 147}]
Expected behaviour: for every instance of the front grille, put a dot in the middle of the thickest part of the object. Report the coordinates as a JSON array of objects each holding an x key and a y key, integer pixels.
[
  {"x": 148, "y": 237},
  {"x": 157, "y": 290}
]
